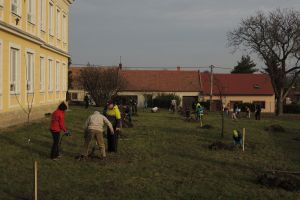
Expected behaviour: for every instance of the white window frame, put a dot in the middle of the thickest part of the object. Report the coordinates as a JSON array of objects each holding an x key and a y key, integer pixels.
[
  {"x": 31, "y": 11},
  {"x": 64, "y": 28},
  {"x": 57, "y": 76},
  {"x": 17, "y": 4},
  {"x": 58, "y": 23},
  {"x": 42, "y": 15},
  {"x": 16, "y": 83},
  {"x": 1, "y": 68},
  {"x": 64, "y": 78},
  {"x": 51, "y": 17},
  {"x": 42, "y": 73},
  {"x": 50, "y": 75},
  {"x": 29, "y": 81}
]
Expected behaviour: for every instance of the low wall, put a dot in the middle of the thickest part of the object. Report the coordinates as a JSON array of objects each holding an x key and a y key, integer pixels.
[{"x": 18, "y": 116}]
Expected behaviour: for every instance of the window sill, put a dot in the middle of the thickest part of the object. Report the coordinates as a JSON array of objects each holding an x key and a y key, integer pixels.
[{"x": 14, "y": 93}]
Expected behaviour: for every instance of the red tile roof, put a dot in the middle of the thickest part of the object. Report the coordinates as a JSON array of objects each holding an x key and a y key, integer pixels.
[
  {"x": 191, "y": 81},
  {"x": 238, "y": 84},
  {"x": 161, "y": 80}
]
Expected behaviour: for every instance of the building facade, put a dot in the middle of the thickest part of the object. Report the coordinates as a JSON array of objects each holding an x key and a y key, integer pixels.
[
  {"x": 191, "y": 85},
  {"x": 33, "y": 57}
]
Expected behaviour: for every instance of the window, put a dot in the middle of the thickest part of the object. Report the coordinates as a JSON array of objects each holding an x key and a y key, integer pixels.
[
  {"x": 50, "y": 76},
  {"x": 51, "y": 31},
  {"x": 15, "y": 7},
  {"x": 261, "y": 103},
  {"x": 29, "y": 71},
  {"x": 64, "y": 74},
  {"x": 42, "y": 12},
  {"x": 64, "y": 29},
  {"x": 57, "y": 76},
  {"x": 42, "y": 74},
  {"x": 235, "y": 103},
  {"x": 58, "y": 24},
  {"x": 31, "y": 11},
  {"x": 14, "y": 69},
  {"x": 74, "y": 96}
]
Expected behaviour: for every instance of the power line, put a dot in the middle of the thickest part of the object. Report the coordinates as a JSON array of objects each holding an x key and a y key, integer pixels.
[{"x": 160, "y": 67}]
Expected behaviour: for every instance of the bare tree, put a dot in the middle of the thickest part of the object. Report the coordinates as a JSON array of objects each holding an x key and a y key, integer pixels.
[
  {"x": 275, "y": 38},
  {"x": 102, "y": 83},
  {"x": 221, "y": 90},
  {"x": 27, "y": 108}
]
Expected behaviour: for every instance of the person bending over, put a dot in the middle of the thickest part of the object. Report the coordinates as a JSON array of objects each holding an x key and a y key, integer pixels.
[{"x": 94, "y": 128}]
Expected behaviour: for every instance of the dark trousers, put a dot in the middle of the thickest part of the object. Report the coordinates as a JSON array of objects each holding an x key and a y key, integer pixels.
[
  {"x": 55, "y": 146},
  {"x": 257, "y": 115},
  {"x": 112, "y": 141}
]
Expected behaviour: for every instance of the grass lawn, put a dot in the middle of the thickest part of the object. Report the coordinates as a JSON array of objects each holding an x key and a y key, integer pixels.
[{"x": 164, "y": 157}]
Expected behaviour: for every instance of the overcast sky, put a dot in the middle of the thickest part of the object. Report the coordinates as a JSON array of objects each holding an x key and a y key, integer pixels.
[{"x": 163, "y": 33}]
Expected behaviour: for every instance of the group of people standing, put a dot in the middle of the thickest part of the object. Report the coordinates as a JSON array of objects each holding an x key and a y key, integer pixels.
[
  {"x": 93, "y": 129},
  {"x": 236, "y": 112}
]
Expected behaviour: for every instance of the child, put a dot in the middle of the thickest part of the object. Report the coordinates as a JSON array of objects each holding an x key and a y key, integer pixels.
[{"x": 237, "y": 137}]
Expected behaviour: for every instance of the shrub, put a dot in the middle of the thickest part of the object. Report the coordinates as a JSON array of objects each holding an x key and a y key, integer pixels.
[
  {"x": 292, "y": 109},
  {"x": 164, "y": 100}
]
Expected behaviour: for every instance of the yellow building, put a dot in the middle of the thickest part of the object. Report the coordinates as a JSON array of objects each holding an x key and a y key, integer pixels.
[{"x": 33, "y": 57}]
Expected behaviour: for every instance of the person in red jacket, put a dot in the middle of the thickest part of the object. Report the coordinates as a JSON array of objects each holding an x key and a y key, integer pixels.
[{"x": 57, "y": 125}]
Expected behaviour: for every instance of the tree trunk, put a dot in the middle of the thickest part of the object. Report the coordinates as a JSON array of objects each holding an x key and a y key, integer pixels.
[
  {"x": 279, "y": 106},
  {"x": 223, "y": 124}
]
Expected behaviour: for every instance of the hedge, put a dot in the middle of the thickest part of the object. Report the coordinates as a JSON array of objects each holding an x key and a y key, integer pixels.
[
  {"x": 291, "y": 109},
  {"x": 164, "y": 100}
]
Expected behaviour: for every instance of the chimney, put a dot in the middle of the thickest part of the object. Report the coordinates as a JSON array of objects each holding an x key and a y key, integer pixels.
[{"x": 178, "y": 68}]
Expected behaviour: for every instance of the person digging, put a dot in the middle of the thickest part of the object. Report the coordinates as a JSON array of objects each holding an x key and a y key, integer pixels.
[
  {"x": 94, "y": 128},
  {"x": 57, "y": 126}
]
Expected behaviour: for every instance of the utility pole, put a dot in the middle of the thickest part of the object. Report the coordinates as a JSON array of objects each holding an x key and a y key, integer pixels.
[{"x": 211, "y": 86}]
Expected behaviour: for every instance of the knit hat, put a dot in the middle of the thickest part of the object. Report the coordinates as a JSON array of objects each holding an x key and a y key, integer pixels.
[{"x": 110, "y": 102}]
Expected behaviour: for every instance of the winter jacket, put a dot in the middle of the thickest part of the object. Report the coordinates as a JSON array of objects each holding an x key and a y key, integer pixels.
[
  {"x": 58, "y": 121},
  {"x": 97, "y": 121}
]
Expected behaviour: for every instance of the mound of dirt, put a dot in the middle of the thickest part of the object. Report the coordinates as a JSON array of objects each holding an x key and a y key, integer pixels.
[
  {"x": 275, "y": 128},
  {"x": 276, "y": 180},
  {"x": 219, "y": 146}
]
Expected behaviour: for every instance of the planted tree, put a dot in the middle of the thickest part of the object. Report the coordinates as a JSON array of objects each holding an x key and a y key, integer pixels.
[
  {"x": 275, "y": 38},
  {"x": 221, "y": 90},
  {"x": 245, "y": 66},
  {"x": 102, "y": 83}
]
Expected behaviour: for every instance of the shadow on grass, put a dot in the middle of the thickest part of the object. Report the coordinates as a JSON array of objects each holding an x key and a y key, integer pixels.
[{"x": 30, "y": 148}]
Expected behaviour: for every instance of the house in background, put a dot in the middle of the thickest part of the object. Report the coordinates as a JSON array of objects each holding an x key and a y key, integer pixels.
[
  {"x": 33, "y": 57},
  {"x": 191, "y": 85}
]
